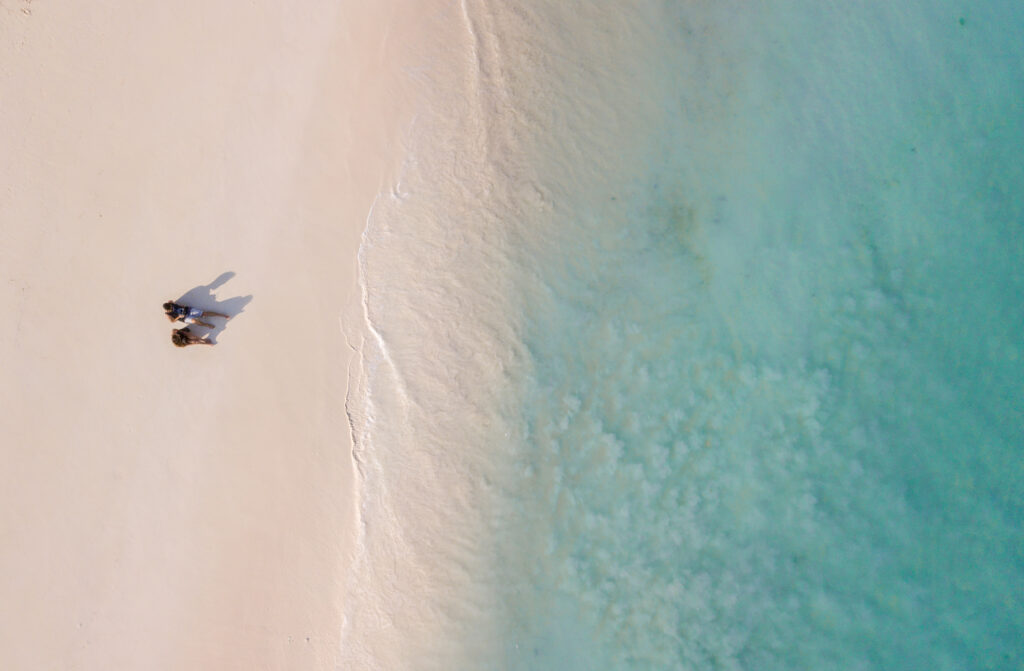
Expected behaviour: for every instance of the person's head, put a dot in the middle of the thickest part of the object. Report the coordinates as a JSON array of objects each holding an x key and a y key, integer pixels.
[
  {"x": 178, "y": 339},
  {"x": 169, "y": 306}
]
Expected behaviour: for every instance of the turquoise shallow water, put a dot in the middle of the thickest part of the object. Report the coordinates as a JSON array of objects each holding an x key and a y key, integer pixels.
[
  {"x": 774, "y": 417},
  {"x": 697, "y": 344}
]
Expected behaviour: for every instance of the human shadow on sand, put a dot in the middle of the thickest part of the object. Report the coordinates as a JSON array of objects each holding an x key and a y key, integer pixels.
[{"x": 204, "y": 298}]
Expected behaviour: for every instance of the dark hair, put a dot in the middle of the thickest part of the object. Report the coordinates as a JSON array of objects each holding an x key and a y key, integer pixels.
[
  {"x": 169, "y": 305},
  {"x": 178, "y": 339}
]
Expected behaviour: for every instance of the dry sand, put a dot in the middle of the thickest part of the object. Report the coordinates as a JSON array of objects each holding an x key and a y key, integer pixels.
[{"x": 165, "y": 508}]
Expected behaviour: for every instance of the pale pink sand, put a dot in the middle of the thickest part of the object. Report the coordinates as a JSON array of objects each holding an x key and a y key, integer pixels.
[{"x": 164, "y": 508}]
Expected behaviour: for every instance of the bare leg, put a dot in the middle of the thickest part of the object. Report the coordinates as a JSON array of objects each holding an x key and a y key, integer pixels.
[
  {"x": 217, "y": 314},
  {"x": 202, "y": 323}
]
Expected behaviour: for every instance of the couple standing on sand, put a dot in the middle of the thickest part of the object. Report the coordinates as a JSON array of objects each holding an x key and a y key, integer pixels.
[{"x": 183, "y": 313}]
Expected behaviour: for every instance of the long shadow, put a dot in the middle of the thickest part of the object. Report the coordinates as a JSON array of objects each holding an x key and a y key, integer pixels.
[{"x": 203, "y": 297}]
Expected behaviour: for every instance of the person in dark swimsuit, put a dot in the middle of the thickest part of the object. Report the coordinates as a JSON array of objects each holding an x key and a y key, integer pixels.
[
  {"x": 184, "y": 337},
  {"x": 189, "y": 315}
]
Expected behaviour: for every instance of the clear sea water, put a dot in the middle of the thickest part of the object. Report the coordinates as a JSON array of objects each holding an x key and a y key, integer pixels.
[{"x": 697, "y": 342}]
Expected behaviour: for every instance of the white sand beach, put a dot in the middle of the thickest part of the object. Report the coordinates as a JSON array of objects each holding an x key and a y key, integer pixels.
[{"x": 168, "y": 508}]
